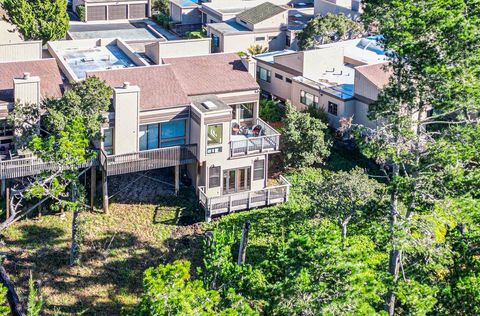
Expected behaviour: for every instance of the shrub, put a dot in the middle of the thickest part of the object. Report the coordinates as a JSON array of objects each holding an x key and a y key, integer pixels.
[
  {"x": 271, "y": 111},
  {"x": 317, "y": 113},
  {"x": 304, "y": 139},
  {"x": 81, "y": 12},
  {"x": 194, "y": 35}
]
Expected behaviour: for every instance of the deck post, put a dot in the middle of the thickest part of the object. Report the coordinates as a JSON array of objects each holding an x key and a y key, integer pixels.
[
  {"x": 105, "y": 191},
  {"x": 268, "y": 197},
  {"x": 242, "y": 251},
  {"x": 177, "y": 179},
  {"x": 4, "y": 186},
  {"x": 93, "y": 185},
  {"x": 249, "y": 200}
]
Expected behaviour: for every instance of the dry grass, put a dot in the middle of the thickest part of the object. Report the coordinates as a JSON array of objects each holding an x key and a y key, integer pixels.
[{"x": 115, "y": 251}]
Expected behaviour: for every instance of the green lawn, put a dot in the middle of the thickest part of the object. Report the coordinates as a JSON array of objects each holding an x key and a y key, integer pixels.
[{"x": 116, "y": 250}]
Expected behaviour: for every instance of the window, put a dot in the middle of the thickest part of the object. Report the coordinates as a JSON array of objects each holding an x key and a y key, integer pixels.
[
  {"x": 287, "y": 40},
  {"x": 332, "y": 108},
  {"x": 5, "y": 129},
  {"x": 259, "y": 39},
  {"x": 246, "y": 111},
  {"x": 214, "y": 136},
  {"x": 215, "y": 41},
  {"x": 308, "y": 99},
  {"x": 264, "y": 74},
  {"x": 234, "y": 111},
  {"x": 153, "y": 136},
  {"x": 258, "y": 169},
  {"x": 278, "y": 76},
  {"x": 108, "y": 141},
  {"x": 213, "y": 177},
  {"x": 243, "y": 22},
  {"x": 288, "y": 80}
]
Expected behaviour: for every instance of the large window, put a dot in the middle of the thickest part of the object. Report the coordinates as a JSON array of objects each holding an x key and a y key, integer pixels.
[
  {"x": 108, "y": 141},
  {"x": 246, "y": 111},
  {"x": 264, "y": 74},
  {"x": 215, "y": 134},
  {"x": 259, "y": 169},
  {"x": 213, "y": 177},
  {"x": 332, "y": 108},
  {"x": 308, "y": 99},
  {"x": 167, "y": 134}
]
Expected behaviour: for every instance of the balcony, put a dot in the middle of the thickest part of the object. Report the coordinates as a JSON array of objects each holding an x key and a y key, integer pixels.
[
  {"x": 244, "y": 200},
  {"x": 148, "y": 160},
  {"x": 25, "y": 167},
  {"x": 256, "y": 139}
]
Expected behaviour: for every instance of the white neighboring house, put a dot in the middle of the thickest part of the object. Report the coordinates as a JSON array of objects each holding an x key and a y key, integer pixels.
[{"x": 341, "y": 78}]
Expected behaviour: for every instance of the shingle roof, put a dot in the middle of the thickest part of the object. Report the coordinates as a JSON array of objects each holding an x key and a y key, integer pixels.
[
  {"x": 158, "y": 85},
  {"x": 212, "y": 74},
  {"x": 51, "y": 84},
  {"x": 260, "y": 13},
  {"x": 378, "y": 74}
]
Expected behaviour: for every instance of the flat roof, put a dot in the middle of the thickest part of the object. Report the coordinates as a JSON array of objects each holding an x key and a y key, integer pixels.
[
  {"x": 228, "y": 27},
  {"x": 220, "y": 105},
  {"x": 128, "y": 31},
  {"x": 186, "y": 3},
  {"x": 269, "y": 57},
  {"x": 85, "y": 59}
]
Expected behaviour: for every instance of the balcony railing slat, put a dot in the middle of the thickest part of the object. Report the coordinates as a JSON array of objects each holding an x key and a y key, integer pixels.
[
  {"x": 269, "y": 141},
  {"x": 150, "y": 159}
]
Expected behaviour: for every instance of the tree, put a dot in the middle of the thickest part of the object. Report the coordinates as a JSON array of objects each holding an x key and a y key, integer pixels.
[
  {"x": 45, "y": 20},
  {"x": 343, "y": 195},
  {"x": 4, "y": 308},
  {"x": 257, "y": 49},
  {"x": 434, "y": 49},
  {"x": 328, "y": 29},
  {"x": 168, "y": 290},
  {"x": 68, "y": 126},
  {"x": 161, "y": 6},
  {"x": 304, "y": 139},
  {"x": 271, "y": 111}
]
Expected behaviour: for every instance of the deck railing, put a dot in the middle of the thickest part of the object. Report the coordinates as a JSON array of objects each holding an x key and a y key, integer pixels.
[
  {"x": 148, "y": 160},
  {"x": 267, "y": 142},
  {"x": 25, "y": 167},
  {"x": 244, "y": 200}
]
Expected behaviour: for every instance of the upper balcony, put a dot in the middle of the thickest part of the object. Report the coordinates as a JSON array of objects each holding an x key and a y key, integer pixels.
[
  {"x": 148, "y": 159},
  {"x": 253, "y": 139}
]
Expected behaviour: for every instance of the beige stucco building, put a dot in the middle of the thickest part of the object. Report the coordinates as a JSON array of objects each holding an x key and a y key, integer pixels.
[
  {"x": 108, "y": 10},
  {"x": 350, "y": 8},
  {"x": 196, "y": 115},
  {"x": 341, "y": 78}
]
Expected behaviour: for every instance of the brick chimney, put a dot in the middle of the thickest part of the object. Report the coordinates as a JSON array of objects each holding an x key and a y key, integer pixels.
[
  {"x": 27, "y": 89},
  {"x": 126, "y": 101}
]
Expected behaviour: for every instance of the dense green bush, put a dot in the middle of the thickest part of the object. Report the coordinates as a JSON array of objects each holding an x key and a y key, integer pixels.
[
  {"x": 271, "y": 111},
  {"x": 317, "y": 113},
  {"x": 194, "y": 34},
  {"x": 81, "y": 12},
  {"x": 45, "y": 20},
  {"x": 304, "y": 139}
]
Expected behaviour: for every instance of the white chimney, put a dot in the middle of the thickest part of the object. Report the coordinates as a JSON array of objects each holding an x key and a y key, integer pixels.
[
  {"x": 126, "y": 102},
  {"x": 27, "y": 89}
]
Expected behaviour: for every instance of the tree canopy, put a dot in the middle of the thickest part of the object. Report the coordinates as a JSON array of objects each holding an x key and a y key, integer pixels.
[
  {"x": 45, "y": 20},
  {"x": 327, "y": 29}
]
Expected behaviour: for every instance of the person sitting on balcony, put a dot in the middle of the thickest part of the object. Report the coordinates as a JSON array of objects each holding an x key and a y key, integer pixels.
[
  {"x": 235, "y": 128},
  {"x": 257, "y": 130}
]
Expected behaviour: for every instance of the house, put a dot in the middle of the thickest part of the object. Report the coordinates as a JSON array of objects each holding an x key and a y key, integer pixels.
[
  {"x": 350, "y": 8},
  {"x": 340, "y": 78},
  {"x": 264, "y": 25},
  {"x": 195, "y": 115},
  {"x": 108, "y": 10}
]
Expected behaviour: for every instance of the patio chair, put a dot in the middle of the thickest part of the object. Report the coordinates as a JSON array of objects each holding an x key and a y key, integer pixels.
[{"x": 257, "y": 130}]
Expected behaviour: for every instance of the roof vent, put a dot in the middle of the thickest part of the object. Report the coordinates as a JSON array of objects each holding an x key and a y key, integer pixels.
[
  {"x": 26, "y": 75},
  {"x": 209, "y": 105},
  {"x": 126, "y": 85}
]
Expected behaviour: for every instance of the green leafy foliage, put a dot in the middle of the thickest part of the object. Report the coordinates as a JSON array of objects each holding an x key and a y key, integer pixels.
[
  {"x": 35, "y": 301},
  {"x": 327, "y": 29},
  {"x": 161, "y": 6},
  {"x": 81, "y": 12},
  {"x": 169, "y": 291},
  {"x": 45, "y": 20},
  {"x": 257, "y": 49},
  {"x": 271, "y": 111},
  {"x": 304, "y": 139},
  {"x": 4, "y": 307},
  {"x": 194, "y": 35}
]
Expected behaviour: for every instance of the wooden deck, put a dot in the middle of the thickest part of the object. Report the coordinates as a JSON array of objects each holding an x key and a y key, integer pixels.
[
  {"x": 25, "y": 167},
  {"x": 148, "y": 160},
  {"x": 229, "y": 203}
]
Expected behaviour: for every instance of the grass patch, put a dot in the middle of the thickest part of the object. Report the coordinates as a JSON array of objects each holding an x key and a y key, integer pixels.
[{"x": 115, "y": 251}]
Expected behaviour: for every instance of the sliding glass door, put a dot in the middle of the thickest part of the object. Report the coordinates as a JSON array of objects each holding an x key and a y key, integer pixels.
[{"x": 236, "y": 180}]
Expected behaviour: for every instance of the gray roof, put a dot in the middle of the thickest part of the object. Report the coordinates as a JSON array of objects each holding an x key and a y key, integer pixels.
[{"x": 260, "y": 13}]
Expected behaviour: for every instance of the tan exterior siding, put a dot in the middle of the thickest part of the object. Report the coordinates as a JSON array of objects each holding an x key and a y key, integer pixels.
[{"x": 23, "y": 51}]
